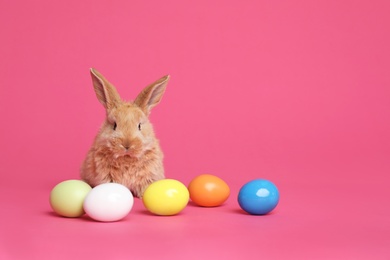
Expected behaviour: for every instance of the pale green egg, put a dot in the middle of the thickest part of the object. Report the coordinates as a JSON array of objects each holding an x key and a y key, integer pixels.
[{"x": 67, "y": 198}]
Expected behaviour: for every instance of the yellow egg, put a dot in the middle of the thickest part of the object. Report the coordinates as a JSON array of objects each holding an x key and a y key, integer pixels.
[
  {"x": 166, "y": 197},
  {"x": 67, "y": 198}
]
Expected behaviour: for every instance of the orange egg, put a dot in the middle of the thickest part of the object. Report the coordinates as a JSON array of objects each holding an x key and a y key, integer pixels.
[{"x": 208, "y": 190}]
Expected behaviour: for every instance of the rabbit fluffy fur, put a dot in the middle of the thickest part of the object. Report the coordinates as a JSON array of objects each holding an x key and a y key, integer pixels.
[{"x": 125, "y": 149}]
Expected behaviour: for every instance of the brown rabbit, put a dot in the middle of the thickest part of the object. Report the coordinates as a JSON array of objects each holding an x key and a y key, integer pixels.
[{"x": 125, "y": 150}]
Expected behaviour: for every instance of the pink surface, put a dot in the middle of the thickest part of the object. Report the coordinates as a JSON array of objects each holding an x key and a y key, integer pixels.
[{"x": 296, "y": 92}]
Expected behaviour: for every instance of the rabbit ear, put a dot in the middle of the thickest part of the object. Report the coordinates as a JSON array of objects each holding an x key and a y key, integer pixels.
[
  {"x": 151, "y": 95},
  {"x": 105, "y": 91}
]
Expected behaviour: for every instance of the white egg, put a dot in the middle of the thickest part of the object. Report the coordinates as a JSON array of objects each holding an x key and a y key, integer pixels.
[{"x": 108, "y": 202}]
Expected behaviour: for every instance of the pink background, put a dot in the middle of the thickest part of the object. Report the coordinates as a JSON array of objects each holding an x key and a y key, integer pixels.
[{"x": 297, "y": 92}]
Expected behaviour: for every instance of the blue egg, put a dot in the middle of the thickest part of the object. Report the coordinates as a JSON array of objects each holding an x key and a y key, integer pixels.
[{"x": 258, "y": 197}]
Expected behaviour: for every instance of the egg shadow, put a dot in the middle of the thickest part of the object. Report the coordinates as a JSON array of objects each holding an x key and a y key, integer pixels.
[
  {"x": 52, "y": 214},
  {"x": 243, "y": 212},
  {"x": 192, "y": 204},
  {"x": 145, "y": 212}
]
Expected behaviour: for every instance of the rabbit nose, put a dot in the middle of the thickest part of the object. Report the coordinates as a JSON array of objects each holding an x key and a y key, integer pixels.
[{"x": 126, "y": 146}]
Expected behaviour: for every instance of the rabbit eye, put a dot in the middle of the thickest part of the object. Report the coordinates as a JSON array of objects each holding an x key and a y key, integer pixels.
[
  {"x": 139, "y": 126},
  {"x": 114, "y": 126}
]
